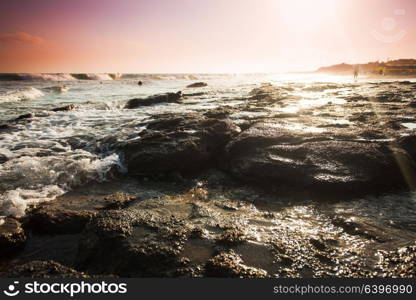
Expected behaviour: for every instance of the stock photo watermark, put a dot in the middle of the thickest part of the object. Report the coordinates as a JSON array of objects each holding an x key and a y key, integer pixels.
[
  {"x": 390, "y": 33},
  {"x": 71, "y": 289}
]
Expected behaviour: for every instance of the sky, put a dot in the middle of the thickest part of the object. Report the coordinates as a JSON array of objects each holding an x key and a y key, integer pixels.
[{"x": 201, "y": 36}]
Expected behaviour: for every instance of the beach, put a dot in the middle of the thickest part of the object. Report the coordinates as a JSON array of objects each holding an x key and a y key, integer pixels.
[{"x": 239, "y": 175}]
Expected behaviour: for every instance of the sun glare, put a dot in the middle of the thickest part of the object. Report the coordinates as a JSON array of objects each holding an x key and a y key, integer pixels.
[{"x": 306, "y": 15}]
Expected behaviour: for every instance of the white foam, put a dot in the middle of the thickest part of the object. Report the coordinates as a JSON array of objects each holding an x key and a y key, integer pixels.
[
  {"x": 15, "y": 202},
  {"x": 24, "y": 94},
  {"x": 48, "y": 77},
  {"x": 98, "y": 76},
  {"x": 29, "y": 180}
]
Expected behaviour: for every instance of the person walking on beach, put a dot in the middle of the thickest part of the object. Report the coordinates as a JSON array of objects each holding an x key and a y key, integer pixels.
[{"x": 355, "y": 73}]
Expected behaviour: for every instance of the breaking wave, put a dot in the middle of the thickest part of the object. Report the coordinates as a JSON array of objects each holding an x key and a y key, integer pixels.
[
  {"x": 36, "y": 76},
  {"x": 94, "y": 76},
  {"x": 104, "y": 76},
  {"x": 29, "y": 180},
  {"x": 58, "y": 76},
  {"x": 23, "y": 94}
]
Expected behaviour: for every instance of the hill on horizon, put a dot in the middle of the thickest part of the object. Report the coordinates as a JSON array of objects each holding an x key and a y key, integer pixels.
[{"x": 392, "y": 67}]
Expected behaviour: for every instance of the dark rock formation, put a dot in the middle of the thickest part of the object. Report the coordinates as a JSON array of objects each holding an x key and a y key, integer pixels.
[
  {"x": 70, "y": 215},
  {"x": 42, "y": 269},
  {"x": 233, "y": 236},
  {"x": 136, "y": 242},
  {"x": 408, "y": 143},
  {"x": 398, "y": 263},
  {"x": 3, "y": 158},
  {"x": 357, "y": 227},
  {"x": 197, "y": 85},
  {"x": 155, "y": 99},
  {"x": 231, "y": 265},
  {"x": 268, "y": 93},
  {"x": 12, "y": 236},
  {"x": 177, "y": 143},
  {"x": 221, "y": 112},
  {"x": 49, "y": 220},
  {"x": 4, "y": 126},
  {"x": 194, "y": 94},
  {"x": 23, "y": 117},
  {"x": 163, "y": 238},
  {"x": 388, "y": 96},
  {"x": 281, "y": 158},
  {"x": 65, "y": 108},
  {"x": 118, "y": 200},
  {"x": 213, "y": 230}
]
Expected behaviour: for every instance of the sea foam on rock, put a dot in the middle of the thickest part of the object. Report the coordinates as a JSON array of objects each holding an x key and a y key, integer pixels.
[{"x": 27, "y": 182}]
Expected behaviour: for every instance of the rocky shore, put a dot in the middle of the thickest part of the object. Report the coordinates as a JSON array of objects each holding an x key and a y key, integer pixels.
[{"x": 274, "y": 186}]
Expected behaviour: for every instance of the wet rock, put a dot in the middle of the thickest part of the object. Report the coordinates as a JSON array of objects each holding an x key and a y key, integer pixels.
[
  {"x": 197, "y": 85},
  {"x": 231, "y": 265},
  {"x": 280, "y": 158},
  {"x": 163, "y": 237},
  {"x": 405, "y": 82},
  {"x": 5, "y": 155},
  {"x": 65, "y": 108},
  {"x": 233, "y": 236},
  {"x": 42, "y": 269},
  {"x": 355, "y": 226},
  {"x": 51, "y": 220},
  {"x": 394, "y": 124},
  {"x": 356, "y": 98},
  {"x": 372, "y": 134},
  {"x": 177, "y": 143},
  {"x": 155, "y": 99},
  {"x": 408, "y": 143},
  {"x": 412, "y": 104},
  {"x": 398, "y": 263},
  {"x": 320, "y": 87},
  {"x": 268, "y": 93},
  {"x": 362, "y": 117},
  {"x": 118, "y": 200},
  {"x": 23, "y": 117},
  {"x": 221, "y": 112},
  {"x": 137, "y": 242},
  {"x": 78, "y": 141},
  {"x": 194, "y": 94},
  {"x": 320, "y": 245},
  {"x": 5, "y": 126},
  {"x": 387, "y": 96},
  {"x": 334, "y": 125},
  {"x": 12, "y": 236},
  {"x": 3, "y": 158},
  {"x": 285, "y": 115}
]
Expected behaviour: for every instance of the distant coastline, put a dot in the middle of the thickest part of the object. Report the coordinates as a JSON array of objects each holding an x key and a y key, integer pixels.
[{"x": 399, "y": 68}]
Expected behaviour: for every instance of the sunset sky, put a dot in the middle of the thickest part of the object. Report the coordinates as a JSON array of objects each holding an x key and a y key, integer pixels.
[{"x": 179, "y": 36}]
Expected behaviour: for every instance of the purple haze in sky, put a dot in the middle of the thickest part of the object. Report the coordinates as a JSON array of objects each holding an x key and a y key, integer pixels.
[{"x": 201, "y": 36}]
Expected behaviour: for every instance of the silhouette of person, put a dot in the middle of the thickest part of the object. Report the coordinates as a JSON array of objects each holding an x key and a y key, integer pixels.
[{"x": 355, "y": 72}]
